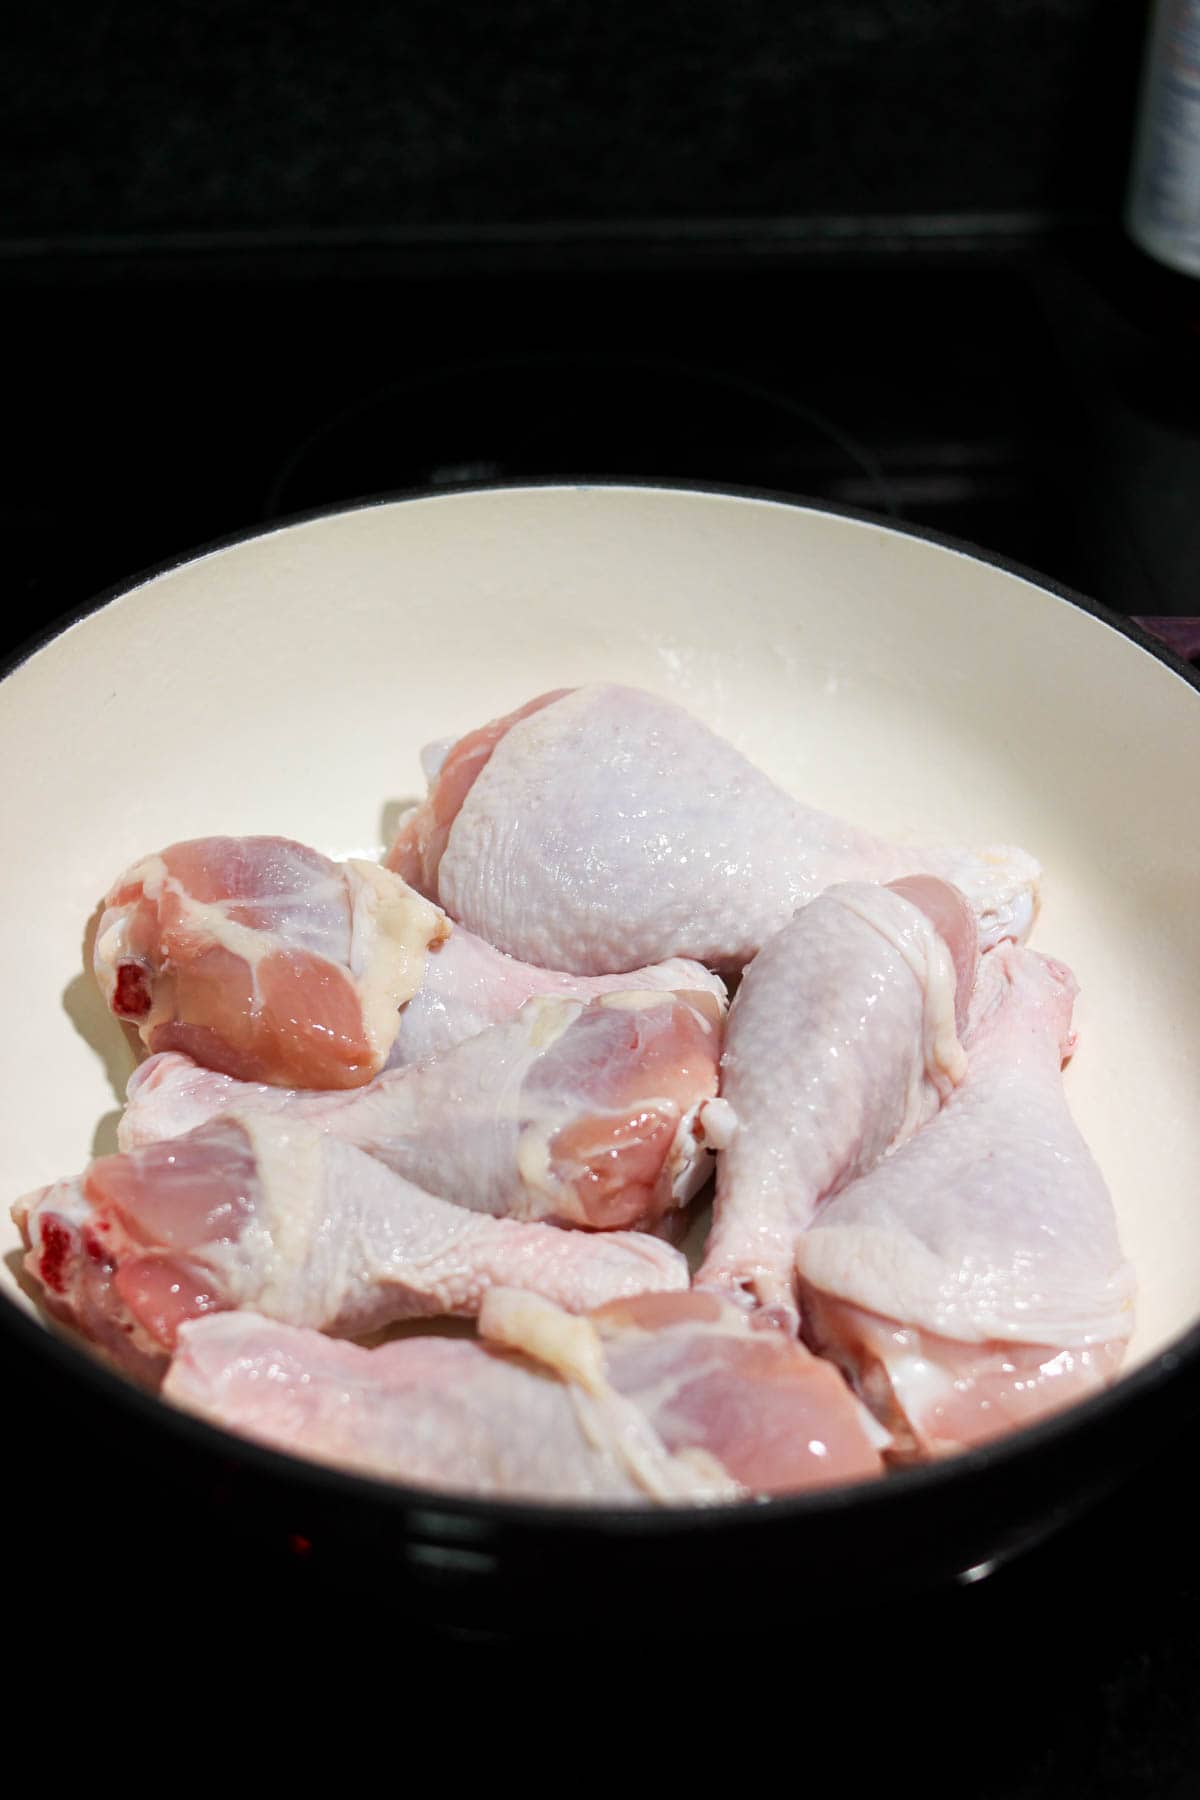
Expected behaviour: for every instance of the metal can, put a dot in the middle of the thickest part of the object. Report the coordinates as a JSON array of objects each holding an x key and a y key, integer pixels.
[{"x": 1162, "y": 212}]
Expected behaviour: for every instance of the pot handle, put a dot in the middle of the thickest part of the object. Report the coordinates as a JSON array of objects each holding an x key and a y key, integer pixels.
[{"x": 1182, "y": 635}]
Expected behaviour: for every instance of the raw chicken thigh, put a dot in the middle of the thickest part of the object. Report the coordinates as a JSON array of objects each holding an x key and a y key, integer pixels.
[
  {"x": 265, "y": 960},
  {"x": 656, "y": 1399},
  {"x": 603, "y": 827},
  {"x": 596, "y": 1115},
  {"x": 841, "y": 1042},
  {"x": 974, "y": 1281},
  {"x": 266, "y": 1213}
]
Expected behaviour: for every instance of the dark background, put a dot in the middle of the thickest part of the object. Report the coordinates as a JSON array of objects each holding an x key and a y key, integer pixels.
[
  {"x": 152, "y": 121},
  {"x": 257, "y": 260},
  {"x": 254, "y": 260}
]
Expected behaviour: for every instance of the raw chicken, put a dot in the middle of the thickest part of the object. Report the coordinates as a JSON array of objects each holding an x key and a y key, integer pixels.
[
  {"x": 974, "y": 1281},
  {"x": 468, "y": 986},
  {"x": 269, "y": 1214},
  {"x": 265, "y": 960},
  {"x": 603, "y": 827},
  {"x": 841, "y": 1042},
  {"x": 451, "y": 768},
  {"x": 598, "y": 1115},
  {"x": 169, "y": 1095},
  {"x": 657, "y": 1399}
]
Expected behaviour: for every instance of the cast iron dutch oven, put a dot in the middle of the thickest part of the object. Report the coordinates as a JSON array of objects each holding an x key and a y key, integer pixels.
[{"x": 285, "y": 682}]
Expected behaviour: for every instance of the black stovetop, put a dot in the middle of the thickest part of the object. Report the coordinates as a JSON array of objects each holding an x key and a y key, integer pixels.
[{"x": 153, "y": 406}]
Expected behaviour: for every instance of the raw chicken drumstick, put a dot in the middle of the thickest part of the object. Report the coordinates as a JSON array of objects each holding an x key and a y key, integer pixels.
[
  {"x": 468, "y": 986},
  {"x": 270, "y": 1214},
  {"x": 653, "y": 1400},
  {"x": 974, "y": 1281},
  {"x": 841, "y": 1042},
  {"x": 603, "y": 827},
  {"x": 598, "y": 1115},
  {"x": 263, "y": 959}
]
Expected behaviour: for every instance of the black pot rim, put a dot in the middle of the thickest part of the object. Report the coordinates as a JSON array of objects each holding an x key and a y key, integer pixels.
[{"x": 1166, "y": 1372}]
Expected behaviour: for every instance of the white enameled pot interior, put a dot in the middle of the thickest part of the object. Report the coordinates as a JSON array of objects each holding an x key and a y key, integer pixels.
[{"x": 286, "y": 684}]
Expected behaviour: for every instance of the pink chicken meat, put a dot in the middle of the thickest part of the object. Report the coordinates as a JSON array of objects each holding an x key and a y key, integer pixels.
[
  {"x": 264, "y": 959},
  {"x": 654, "y": 1400},
  {"x": 974, "y": 1280},
  {"x": 267, "y": 1213},
  {"x": 468, "y": 986},
  {"x": 600, "y": 1115},
  {"x": 602, "y": 827},
  {"x": 841, "y": 1042}
]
